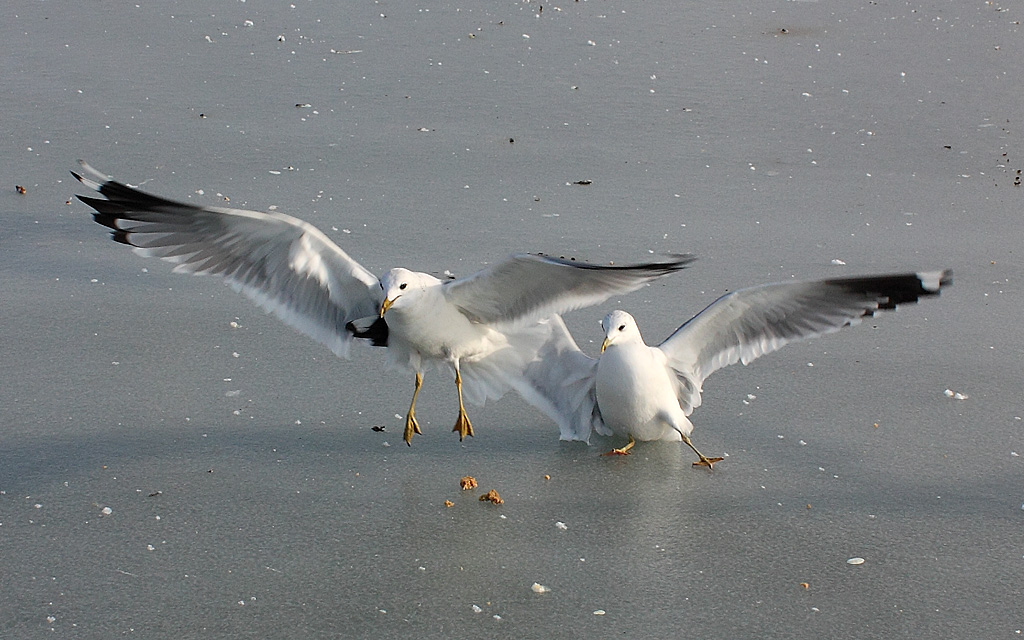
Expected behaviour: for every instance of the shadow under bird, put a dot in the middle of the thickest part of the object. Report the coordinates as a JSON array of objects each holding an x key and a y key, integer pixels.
[
  {"x": 647, "y": 393},
  {"x": 486, "y": 327}
]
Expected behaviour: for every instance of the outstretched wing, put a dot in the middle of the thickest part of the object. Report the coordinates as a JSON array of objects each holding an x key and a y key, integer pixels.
[
  {"x": 287, "y": 266},
  {"x": 527, "y": 287},
  {"x": 749, "y": 323},
  {"x": 560, "y": 382}
]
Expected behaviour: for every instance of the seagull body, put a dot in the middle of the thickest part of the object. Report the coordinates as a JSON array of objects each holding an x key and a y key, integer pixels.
[
  {"x": 489, "y": 325},
  {"x": 637, "y": 389},
  {"x": 647, "y": 393}
]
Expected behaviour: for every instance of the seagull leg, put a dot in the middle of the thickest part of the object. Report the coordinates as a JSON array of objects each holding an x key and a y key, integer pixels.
[
  {"x": 411, "y": 425},
  {"x": 622, "y": 451},
  {"x": 704, "y": 460},
  {"x": 462, "y": 425}
]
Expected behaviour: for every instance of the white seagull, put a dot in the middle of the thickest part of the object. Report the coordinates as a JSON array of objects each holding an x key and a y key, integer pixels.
[
  {"x": 487, "y": 327},
  {"x": 646, "y": 393}
]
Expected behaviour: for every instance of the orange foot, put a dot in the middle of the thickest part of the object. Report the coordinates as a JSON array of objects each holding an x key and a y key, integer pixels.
[
  {"x": 707, "y": 462},
  {"x": 624, "y": 451}
]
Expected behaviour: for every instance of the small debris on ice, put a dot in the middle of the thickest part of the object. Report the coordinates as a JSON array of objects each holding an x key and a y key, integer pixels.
[
  {"x": 855, "y": 561},
  {"x": 493, "y": 497},
  {"x": 599, "y": 612},
  {"x": 477, "y": 609},
  {"x": 106, "y": 511},
  {"x": 956, "y": 395},
  {"x": 561, "y": 525},
  {"x": 837, "y": 261},
  {"x": 539, "y": 588},
  {"x": 467, "y": 483}
]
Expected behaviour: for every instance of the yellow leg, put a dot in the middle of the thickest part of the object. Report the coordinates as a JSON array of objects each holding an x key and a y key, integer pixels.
[
  {"x": 704, "y": 460},
  {"x": 411, "y": 425},
  {"x": 624, "y": 451},
  {"x": 462, "y": 425}
]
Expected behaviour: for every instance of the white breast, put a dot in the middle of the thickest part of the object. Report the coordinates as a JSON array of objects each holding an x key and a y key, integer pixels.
[{"x": 635, "y": 388}]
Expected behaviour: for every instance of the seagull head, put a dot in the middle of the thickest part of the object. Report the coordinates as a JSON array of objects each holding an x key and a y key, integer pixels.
[
  {"x": 402, "y": 287},
  {"x": 619, "y": 328}
]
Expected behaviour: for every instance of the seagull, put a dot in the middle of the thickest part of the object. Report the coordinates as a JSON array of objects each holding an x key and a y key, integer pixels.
[
  {"x": 487, "y": 326},
  {"x": 647, "y": 393}
]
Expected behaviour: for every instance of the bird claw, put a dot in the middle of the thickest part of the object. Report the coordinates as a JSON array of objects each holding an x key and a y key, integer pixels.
[
  {"x": 624, "y": 451},
  {"x": 463, "y": 426},
  {"x": 411, "y": 427},
  {"x": 707, "y": 462}
]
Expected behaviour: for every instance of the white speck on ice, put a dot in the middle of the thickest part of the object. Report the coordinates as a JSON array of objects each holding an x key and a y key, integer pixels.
[
  {"x": 476, "y": 609},
  {"x": 561, "y": 525},
  {"x": 855, "y": 561},
  {"x": 837, "y": 261},
  {"x": 496, "y": 617},
  {"x": 539, "y": 588},
  {"x": 106, "y": 511},
  {"x": 599, "y": 612}
]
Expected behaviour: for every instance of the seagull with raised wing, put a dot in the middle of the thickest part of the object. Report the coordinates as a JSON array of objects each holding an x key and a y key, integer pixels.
[
  {"x": 641, "y": 392},
  {"x": 486, "y": 327}
]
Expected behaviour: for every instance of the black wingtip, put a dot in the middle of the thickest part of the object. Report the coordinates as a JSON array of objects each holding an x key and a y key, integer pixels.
[
  {"x": 672, "y": 262},
  {"x": 373, "y": 329},
  {"x": 894, "y": 290}
]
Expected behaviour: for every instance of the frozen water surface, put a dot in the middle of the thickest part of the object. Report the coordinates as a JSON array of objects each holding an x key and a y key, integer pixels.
[{"x": 173, "y": 463}]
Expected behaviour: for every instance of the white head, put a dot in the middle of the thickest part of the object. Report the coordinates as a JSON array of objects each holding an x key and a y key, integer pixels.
[
  {"x": 619, "y": 328},
  {"x": 401, "y": 287}
]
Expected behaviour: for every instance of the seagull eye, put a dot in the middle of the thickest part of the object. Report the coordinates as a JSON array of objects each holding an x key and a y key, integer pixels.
[
  {"x": 622, "y": 327},
  {"x": 402, "y": 286}
]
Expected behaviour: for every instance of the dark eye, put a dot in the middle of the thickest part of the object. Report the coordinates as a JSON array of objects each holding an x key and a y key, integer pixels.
[
  {"x": 402, "y": 286},
  {"x": 622, "y": 327}
]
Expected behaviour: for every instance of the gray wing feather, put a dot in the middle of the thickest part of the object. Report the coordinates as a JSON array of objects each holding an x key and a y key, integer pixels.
[
  {"x": 287, "y": 266},
  {"x": 748, "y": 323},
  {"x": 527, "y": 287},
  {"x": 561, "y": 383}
]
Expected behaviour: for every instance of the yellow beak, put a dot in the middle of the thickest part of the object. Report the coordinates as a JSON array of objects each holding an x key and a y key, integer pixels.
[
  {"x": 385, "y": 306},
  {"x": 604, "y": 345}
]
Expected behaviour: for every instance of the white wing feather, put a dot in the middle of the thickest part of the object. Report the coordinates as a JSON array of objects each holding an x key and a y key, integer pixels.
[
  {"x": 748, "y": 323},
  {"x": 286, "y": 265},
  {"x": 528, "y": 287}
]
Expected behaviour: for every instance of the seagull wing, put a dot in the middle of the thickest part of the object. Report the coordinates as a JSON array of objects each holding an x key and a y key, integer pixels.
[
  {"x": 527, "y": 287},
  {"x": 287, "y": 266},
  {"x": 748, "y": 323},
  {"x": 561, "y": 383}
]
